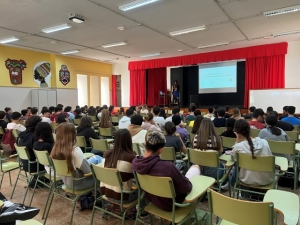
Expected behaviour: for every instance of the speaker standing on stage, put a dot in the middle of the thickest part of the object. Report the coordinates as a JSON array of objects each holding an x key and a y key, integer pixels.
[{"x": 175, "y": 91}]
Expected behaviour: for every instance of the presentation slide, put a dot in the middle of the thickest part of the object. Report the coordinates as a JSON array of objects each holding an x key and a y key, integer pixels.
[{"x": 217, "y": 77}]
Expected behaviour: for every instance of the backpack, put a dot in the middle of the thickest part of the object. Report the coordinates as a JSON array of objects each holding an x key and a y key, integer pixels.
[
  {"x": 8, "y": 141},
  {"x": 287, "y": 180},
  {"x": 87, "y": 201}
]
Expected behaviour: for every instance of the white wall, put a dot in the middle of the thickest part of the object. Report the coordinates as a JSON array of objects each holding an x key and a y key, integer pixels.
[
  {"x": 122, "y": 69},
  {"x": 292, "y": 65}
]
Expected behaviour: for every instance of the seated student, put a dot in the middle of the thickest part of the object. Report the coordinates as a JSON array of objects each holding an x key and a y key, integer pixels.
[
  {"x": 144, "y": 109},
  {"x": 121, "y": 112},
  {"x": 236, "y": 114},
  {"x": 207, "y": 139},
  {"x": 196, "y": 125},
  {"x": 254, "y": 146},
  {"x": 120, "y": 157},
  {"x": 272, "y": 132},
  {"x": 149, "y": 123},
  {"x": 57, "y": 111},
  {"x": 24, "y": 113},
  {"x": 191, "y": 115},
  {"x": 8, "y": 112},
  {"x": 257, "y": 119},
  {"x": 150, "y": 164},
  {"x": 210, "y": 114},
  {"x": 137, "y": 133},
  {"x": 27, "y": 139},
  {"x": 105, "y": 119},
  {"x": 34, "y": 111},
  {"x": 111, "y": 110},
  {"x": 291, "y": 117},
  {"x": 99, "y": 113},
  {"x": 3, "y": 123},
  {"x": 51, "y": 109},
  {"x": 269, "y": 109},
  {"x": 175, "y": 111},
  {"x": 229, "y": 128},
  {"x": 85, "y": 129},
  {"x": 61, "y": 118},
  {"x": 65, "y": 149},
  {"x": 220, "y": 121},
  {"x": 68, "y": 110},
  {"x": 173, "y": 139},
  {"x": 15, "y": 119},
  {"x": 78, "y": 113},
  {"x": 162, "y": 113},
  {"x": 44, "y": 139},
  {"x": 46, "y": 115},
  {"x": 227, "y": 114},
  {"x": 215, "y": 108},
  {"x": 159, "y": 120},
  {"x": 250, "y": 114},
  {"x": 196, "y": 113},
  {"x": 184, "y": 134},
  {"x": 125, "y": 120},
  {"x": 282, "y": 124}
]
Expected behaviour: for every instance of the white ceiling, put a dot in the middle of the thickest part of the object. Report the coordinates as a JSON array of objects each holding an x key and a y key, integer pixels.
[{"x": 239, "y": 22}]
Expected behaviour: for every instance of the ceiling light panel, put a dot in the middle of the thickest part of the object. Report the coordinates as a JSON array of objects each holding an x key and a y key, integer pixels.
[
  {"x": 56, "y": 28},
  {"x": 8, "y": 40},
  {"x": 114, "y": 44},
  {"x": 213, "y": 45},
  {"x": 282, "y": 11},
  {"x": 69, "y": 52},
  {"x": 188, "y": 30},
  {"x": 150, "y": 55},
  {"x": 136, "y": 4}
]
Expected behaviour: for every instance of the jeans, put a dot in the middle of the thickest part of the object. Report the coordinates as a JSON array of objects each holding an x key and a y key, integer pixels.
[
  {"x": 212, "y": 171},
  {"x": 233, "y": 175}
]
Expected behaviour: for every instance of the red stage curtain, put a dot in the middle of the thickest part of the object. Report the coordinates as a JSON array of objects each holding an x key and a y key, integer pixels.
[
  {"x": 264, "y": 73},
  {"x": 157, "y": 81},
  {"x": 114, "y": 90},
  {"x": 232, "y": 54},
  {"x": 137, "y": 87}
]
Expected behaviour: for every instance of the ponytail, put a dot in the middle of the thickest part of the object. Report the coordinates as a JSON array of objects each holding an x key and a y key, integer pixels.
[{"x": 251, "y": 146}]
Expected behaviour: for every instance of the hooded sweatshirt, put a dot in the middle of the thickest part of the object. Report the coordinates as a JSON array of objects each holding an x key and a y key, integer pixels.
[
  {"x": 138, "y": 136},
  {"x": 150, "y": 126},
  {"x": 124, "y": 122},
  {"x": 261, "y": 148},
  {"x": 153, "y": 166}
]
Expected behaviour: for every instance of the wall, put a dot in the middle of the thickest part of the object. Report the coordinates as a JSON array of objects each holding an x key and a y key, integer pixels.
[
  {"x": 121, "y": 68},
  {"x": 292, "y": 65}
]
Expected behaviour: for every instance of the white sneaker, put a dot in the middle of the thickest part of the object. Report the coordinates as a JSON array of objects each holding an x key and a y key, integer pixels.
[{"x": 225, "y": 187}]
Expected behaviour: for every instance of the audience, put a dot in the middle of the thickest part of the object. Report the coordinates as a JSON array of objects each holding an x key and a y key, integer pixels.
[
  {"x": 65, "y": 149},
  {"x": 229, "y": 132},
  {"x": 150, "y": 164},
  {"x": 3, "y": 123},
  {"x": 173, "y": 139},
  {"x": 78, "y": 114},
  {"x": 85, "y": 129},
  {"x": 291, "y": 117},
  {"x": 227, "y": 114},
  {"x": 175, "y": 111},
  {"x": 283, "y": 124},
  {"x": 34, "y": 111},
  {"x": 121, "y": 112},
  {"x": 196, "y": 113},
  {"x": 191, "y": 115},
  {"x": 120, "y": 157},
  {"x": 24, "y": 113},
  {"x": 111, "y": 110},
  {"x": 125, "y": 120},
  {"x": 236, "y": 114},
  {"x": 269, "y": 109},
  {"x": 159, "y": 120},
  {"x": 250, "y": 114},
  {"x": 220, "y": 121},
  {"x": 99, "y": 112},
  {"x": 257, "y": 119},
  {"x": 184, "y": 134},
  {"x": 149, "y": 123},
  {"x": 57, "y": 111},
  {"x": 137, "y": 133},
  {"x": 196, "y": 125},
  {"x": 144, "y": 109},
  {"x": 162, "y": 113},
  {"x": 8, "y": 112},
  {"x": 46, "y": 115},
  {"x": 210, "y": 114},
  {"x": 61, "y": 118},
  {"x": 207, "y": 139},
  {"x": 68, "y": 110},
  {"x": 105, "y": 119},
  {"x": 14, "y": 124}
]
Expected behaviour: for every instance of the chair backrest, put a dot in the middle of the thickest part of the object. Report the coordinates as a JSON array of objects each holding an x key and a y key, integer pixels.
[
  {"x": 164, "y": 189},
  {"x": 296, "y": 127},
  {"x": 143, "y": 114},
  {"x": 43, "y": 157},
  {"x": 136, "y": 148},
  {"x": 203, "y": 158},
  {"x": 15, "y": 133},
  {"x": 61, "y": 167},
  {"x": 81, "y": 141},
  {"x": 260, "y": 163},
  {"x": 170, "y": 112},
  {"x": 168, "y": 154},
  {"x": 192, "y": 138},
  {"x": 189, "y": 129},
  {"x": 293, "y": 135},
  {"x": 54, "y": 136},
  {"x": 114, "y": 119},
  {"x": 22, "y": 152},
  {"x": 109, "y": 176},
  {"x": 220, "y": 130},
  {"x": 251, "y": 213},
  {"x": 282, "y": 147},
  {"x": 254, "y": 132},
  {"x": 228, "y": 142},
  {"x": 54, "y": 126},
  {"x": 93, "y": 118},
  {"x": 77, "y": 121},
  {"x": 105, "y": 132},
  {"x": 1, "y": 131},
  {"x": 99, "y": 144}
]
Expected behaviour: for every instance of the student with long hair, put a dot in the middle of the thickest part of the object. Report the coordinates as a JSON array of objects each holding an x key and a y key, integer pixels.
[
  {"x": 236, "y": 114},
  {"x": 149, "y": 123},
  {"x": 229, "y": 128},
  {"x": 252, "y": 146},
  {"x": 120, "y": 157},
  {"x": 65, "y": 149},
  {"x": 105, "y": 119},
  {"x": 196, "y": 125},
  {"x": 207, "y": 139}
]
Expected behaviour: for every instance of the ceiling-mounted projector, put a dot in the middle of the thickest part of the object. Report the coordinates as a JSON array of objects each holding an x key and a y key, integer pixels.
[{"x": 76, "y": 18}]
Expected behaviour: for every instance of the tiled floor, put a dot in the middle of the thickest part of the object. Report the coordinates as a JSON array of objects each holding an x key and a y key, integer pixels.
[{"x": 61, "y": 209}]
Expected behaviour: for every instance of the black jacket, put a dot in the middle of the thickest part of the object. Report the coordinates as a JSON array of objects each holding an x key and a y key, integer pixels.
[{"x": 87, "y": 132}]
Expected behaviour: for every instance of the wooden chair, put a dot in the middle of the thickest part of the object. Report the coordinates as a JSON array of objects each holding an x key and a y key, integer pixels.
[
  {"x": 111, "y": 177},
  {"x": 286, "y": 148},
  {"x": 254, "y": 132},
  {"x": 168, "y": 154},
  {"x": 180, "y": 213},
  {"x": 228, "y": 142},
  {"x": 220, "y": 130},
  {"x": 60, "y": 167},
  {"x": 6, "y": 166},
  {"x": 285, "y": 203},
  {"x": 260, "y": 164},
  {"x": 211, "y": 159},
  {"x": 136, "y": 148},
  {"x": 261, "y": 212}
]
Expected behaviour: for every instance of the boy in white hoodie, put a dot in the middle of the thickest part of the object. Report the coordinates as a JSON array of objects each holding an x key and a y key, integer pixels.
[{"x": 125, "y": 120}]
